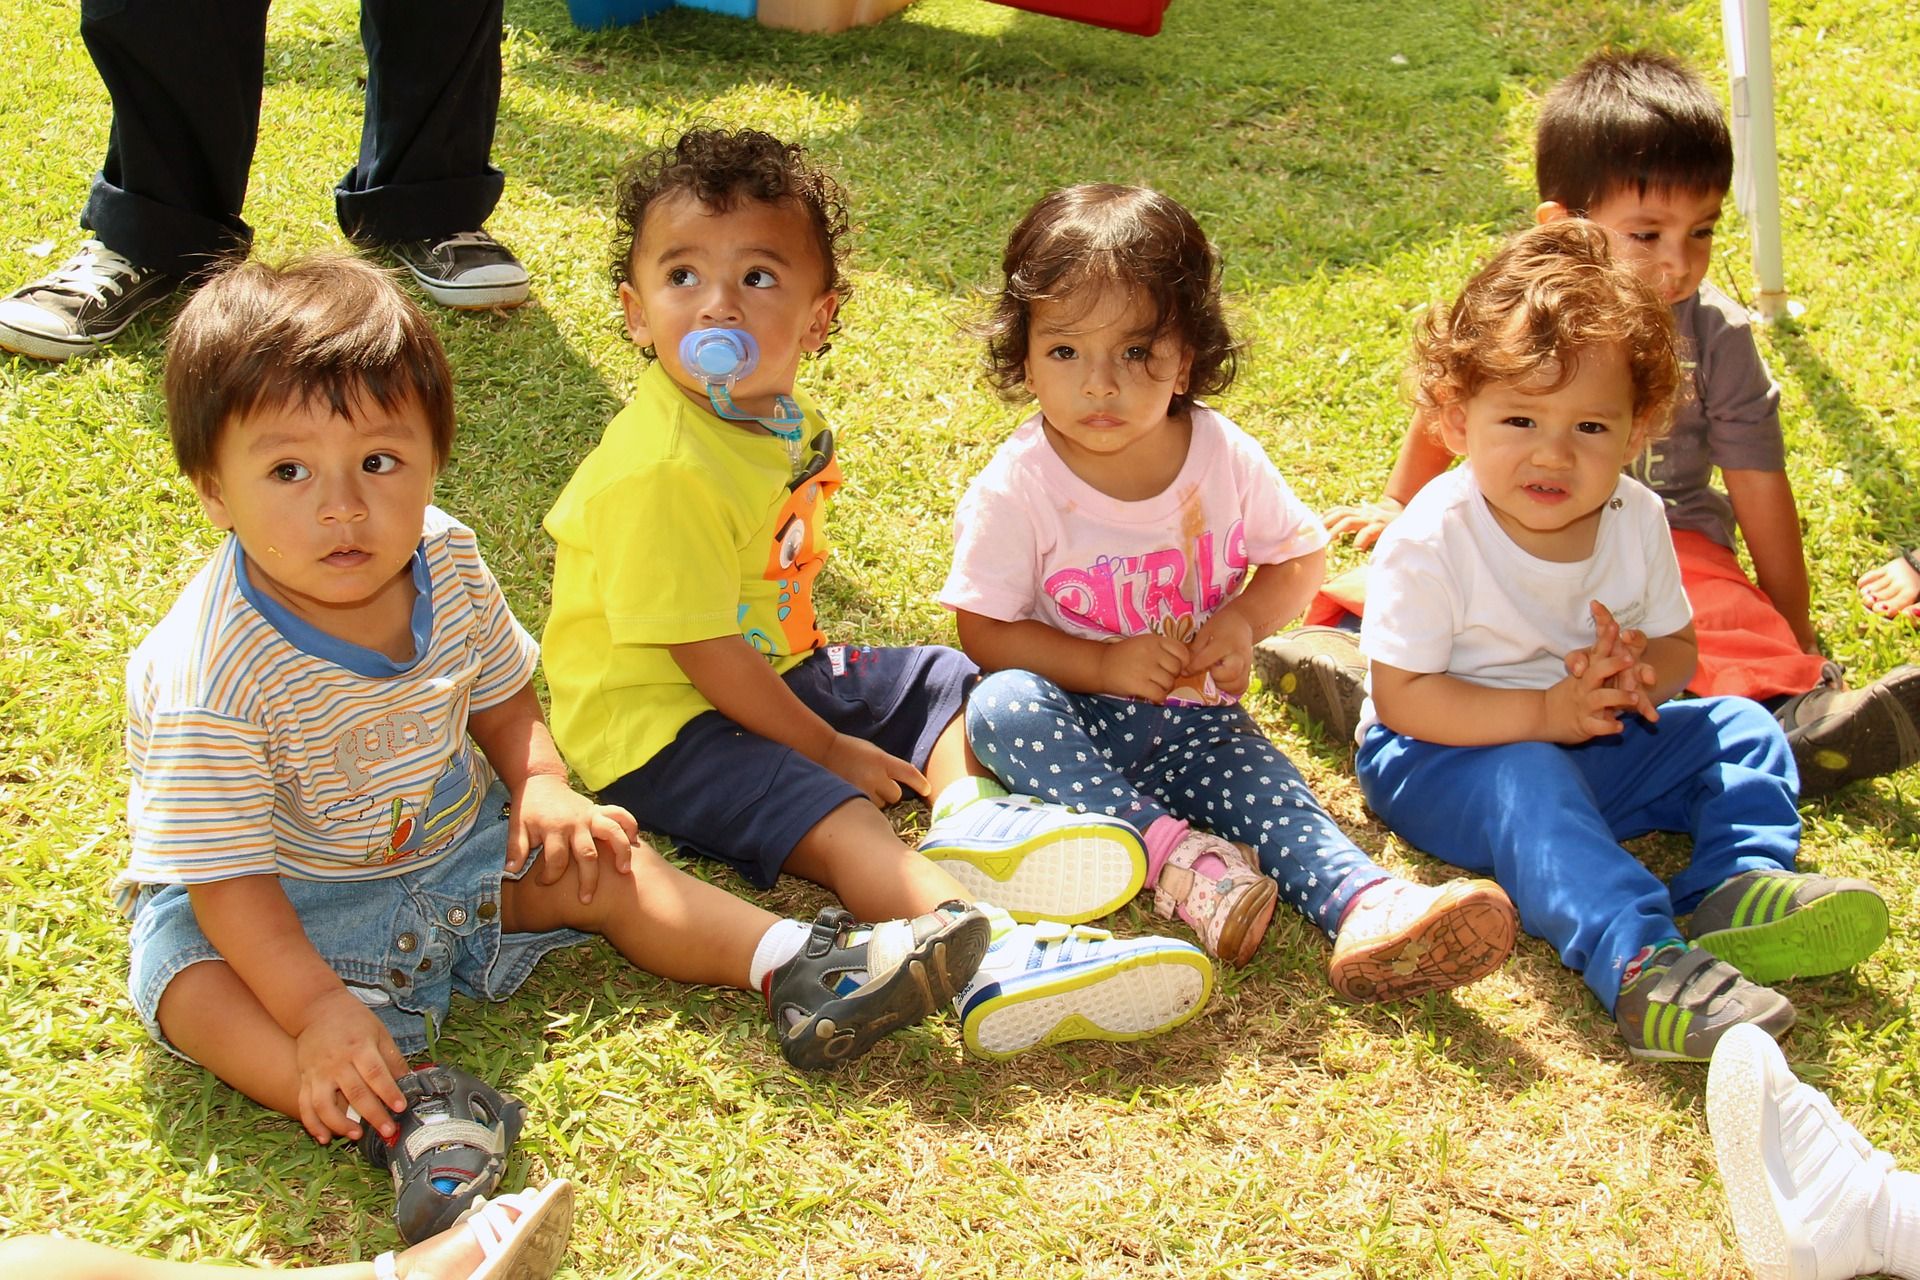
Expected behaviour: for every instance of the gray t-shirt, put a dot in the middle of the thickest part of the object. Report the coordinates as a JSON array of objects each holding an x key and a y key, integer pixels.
[{"x": 1731, "y": 420}]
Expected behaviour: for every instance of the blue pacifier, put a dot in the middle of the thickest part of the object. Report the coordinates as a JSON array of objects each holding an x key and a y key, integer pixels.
[{"x": 720, "y": 358}]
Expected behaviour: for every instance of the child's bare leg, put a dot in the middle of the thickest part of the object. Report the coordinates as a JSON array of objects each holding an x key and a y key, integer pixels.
[
  {"x": 854, "y": 852},
  {"x": 1893, "y": 588},
  {"x": 210, "y": 1015},
  {"x": 952, "y": 759},
  {"x": 55, "y": 1258},
  {"x": 450, "y": 1255},
  {"x": 660, "y": 918}
]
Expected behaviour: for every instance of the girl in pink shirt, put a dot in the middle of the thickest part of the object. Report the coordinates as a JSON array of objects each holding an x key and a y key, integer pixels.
[{"x": 1113, "y": 566}]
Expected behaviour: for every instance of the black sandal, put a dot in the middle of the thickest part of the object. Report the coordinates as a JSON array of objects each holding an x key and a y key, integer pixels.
[
  {"x": 450, "y": 1150},
  {"x": 821, "y": 1027}
]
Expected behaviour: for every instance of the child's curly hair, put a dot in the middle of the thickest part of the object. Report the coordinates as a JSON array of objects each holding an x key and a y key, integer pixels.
[
  {"x": 1081, "y": 239},
  {"x": 1549, "y": 294},
  {"x": 721, "y": 167}
]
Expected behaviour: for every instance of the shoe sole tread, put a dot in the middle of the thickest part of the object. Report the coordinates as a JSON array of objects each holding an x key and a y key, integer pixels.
[
  {"x": 1827, "y": 935},
  {"x": 1082, "y": 877},
  {"x": 1463, "y": 939},
  {"x": 1138, "y": 995}
]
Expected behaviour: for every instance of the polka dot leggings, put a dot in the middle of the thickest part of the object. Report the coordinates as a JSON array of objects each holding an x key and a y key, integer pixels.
[{"x": 1210, "y": 766}]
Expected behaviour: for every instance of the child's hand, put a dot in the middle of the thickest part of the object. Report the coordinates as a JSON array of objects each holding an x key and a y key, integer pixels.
[
  {"x": 867, "y": 767},
  {"x": 345, "y": 1058},
  {"x": 1588, "y": 705},
  {"x": 1144, "y": 666},
  {"x": 1611, "y": 641},
  {"x": 563, "y": 824},
  {"x": 1365, "y": 522},
  {"x": 1224, "y": 650}
]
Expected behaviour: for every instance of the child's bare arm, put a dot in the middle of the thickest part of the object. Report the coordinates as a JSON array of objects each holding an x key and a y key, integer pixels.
[
  {"x": 548, "y": 814},
  {"x": 1275, "y": 595},
  {"x": 343, "y": 1053},
  {"x": 1422, "y": 457},
  {"x": 1145, "y": 666},
  {"x": 1437, "y": 707},
  {"x": 731, "y": 674},
  {"x": 1769, "y": 520}
]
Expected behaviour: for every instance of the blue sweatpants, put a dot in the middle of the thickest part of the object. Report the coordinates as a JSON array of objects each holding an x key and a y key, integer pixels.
[
  {"x": 1546, "y": 821},
  {"x": 1139, "y": 762}
]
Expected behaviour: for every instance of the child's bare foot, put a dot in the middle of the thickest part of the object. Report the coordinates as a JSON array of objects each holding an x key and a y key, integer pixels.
[
  {"x": 1893, "y": 590},
  {"x": 521, "y": 1236}
]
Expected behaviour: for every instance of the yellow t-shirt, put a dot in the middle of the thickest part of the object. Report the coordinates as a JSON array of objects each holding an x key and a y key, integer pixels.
[{"x": 678, "y": 527}]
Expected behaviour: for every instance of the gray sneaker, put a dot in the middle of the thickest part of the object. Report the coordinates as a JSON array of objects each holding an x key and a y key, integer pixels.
[
  {"x": 85, "y": 304},
  {"x": 470, "y": 271},
  {"x": 1319, "y": 670},
  {"x": 1677, "y": 1001},
  {"x": 1840, "y": 736},
  {"x": 1773, "y": 925}
]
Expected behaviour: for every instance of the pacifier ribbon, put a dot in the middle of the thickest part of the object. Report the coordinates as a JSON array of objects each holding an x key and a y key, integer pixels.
[{"x": 720, "y": 358}]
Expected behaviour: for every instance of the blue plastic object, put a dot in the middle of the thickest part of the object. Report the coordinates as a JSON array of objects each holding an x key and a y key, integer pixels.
[
  {"x": 592, "y": 15},
  {"x": 721, "y": 357},
  {"x": 737, "y": 8}
]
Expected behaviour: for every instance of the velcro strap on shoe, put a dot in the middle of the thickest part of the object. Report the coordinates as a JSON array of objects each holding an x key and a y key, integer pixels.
[
  {"x": 1688, "y": 972},
  {"x": 455, "y": 1132},
  {"x": 824, "y": 933},
  {"x": 1172, "y": 889}
]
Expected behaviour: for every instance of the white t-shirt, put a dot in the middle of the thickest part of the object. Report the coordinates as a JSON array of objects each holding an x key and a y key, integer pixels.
[
  {"x": 1033, "y": 541},
  {"x": 1449, "y": 591}
]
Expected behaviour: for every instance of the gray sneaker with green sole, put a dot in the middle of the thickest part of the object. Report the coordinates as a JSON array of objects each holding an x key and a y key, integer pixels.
[
  {"x": 1774, "y": 925},
  {"x": 1677, "y": 1001}
]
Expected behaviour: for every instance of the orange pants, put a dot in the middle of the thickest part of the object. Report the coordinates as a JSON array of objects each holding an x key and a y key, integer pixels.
[{"x": 1746, "y": 647}]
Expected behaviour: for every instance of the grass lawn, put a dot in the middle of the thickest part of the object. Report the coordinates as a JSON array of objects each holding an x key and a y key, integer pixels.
[{"x": 1353, "y": 159}]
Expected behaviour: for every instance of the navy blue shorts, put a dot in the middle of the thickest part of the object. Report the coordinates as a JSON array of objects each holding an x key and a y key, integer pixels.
[{"x": 744, "y": 800}]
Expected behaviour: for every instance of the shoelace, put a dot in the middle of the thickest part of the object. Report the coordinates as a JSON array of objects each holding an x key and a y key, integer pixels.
[
  {"x": 466, "y": 240},
  {"x": 94, "y": 272}
]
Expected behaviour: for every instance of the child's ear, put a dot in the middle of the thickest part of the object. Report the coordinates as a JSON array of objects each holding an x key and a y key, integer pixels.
[
  {"x": 1643, "y": 426},
  {"x": 1184, "y": 375},
  {"x": 1450, "y": 424},
  {"x": 208, "y": 489},
  {"x": 1550, "y": 211},
  {"x": 824, "y": 309},
  {"x": 637, "y": 327}
]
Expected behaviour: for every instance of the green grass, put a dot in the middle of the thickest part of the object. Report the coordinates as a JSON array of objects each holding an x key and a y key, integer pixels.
[{"x": 1353, "y": 159}]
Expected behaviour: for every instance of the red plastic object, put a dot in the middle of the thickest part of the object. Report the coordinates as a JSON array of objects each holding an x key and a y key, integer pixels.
[{"x": 1141, "y": 17}]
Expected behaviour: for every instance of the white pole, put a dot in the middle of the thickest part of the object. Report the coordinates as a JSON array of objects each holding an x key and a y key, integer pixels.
[{"x": 1756, "y": 169}]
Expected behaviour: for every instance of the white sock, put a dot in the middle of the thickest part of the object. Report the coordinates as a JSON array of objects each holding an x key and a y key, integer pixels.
[
  {"x": 961, "y": 792},
  {"x": 777, "y": 945},
  {"x": 1894, "y": 1229}
]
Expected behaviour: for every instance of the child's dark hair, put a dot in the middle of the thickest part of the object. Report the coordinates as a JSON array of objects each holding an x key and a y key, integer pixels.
[
  {"x": 1081, "y": 239},
  {"x": 1549, "y": 295},
  {"x": 327, "y": 329},
  {"x": 720, "y": 168},
  {"x": 1632, "y": 120}
]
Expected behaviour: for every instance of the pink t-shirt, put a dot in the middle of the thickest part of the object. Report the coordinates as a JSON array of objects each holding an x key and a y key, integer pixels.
[{"x": 1032, "y": 541}]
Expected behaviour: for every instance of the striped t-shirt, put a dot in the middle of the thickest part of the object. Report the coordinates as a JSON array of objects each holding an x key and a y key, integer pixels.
[{"x": 261, "y": 745}]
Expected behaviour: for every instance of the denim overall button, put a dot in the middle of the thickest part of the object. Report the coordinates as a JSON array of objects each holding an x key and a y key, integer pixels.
[
  {"x": 398, "y": 978},
  {"x": 406, "y": 942},
  {"x": 456, "y": 916},
  {"x": 487, "y": 910}
]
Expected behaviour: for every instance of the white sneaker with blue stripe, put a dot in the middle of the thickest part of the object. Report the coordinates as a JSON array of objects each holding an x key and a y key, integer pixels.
[
  {"x": 1037, "y": 861},
  {"x": 1050, "y": 983}
]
